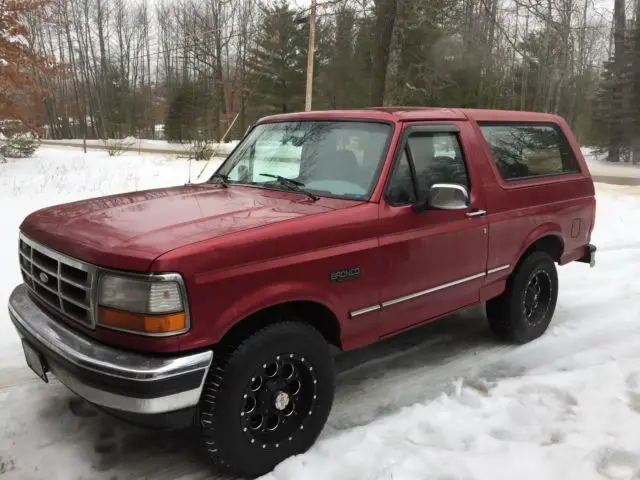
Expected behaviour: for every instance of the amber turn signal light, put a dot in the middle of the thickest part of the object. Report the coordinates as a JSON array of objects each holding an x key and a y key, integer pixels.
[{"x": 141, "y": 322}]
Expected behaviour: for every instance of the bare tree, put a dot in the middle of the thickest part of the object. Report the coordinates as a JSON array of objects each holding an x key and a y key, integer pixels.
[{"x": 385, "y": 18}]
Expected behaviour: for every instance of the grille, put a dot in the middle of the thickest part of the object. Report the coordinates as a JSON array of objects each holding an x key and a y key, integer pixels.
[{"x": 63, "y": 283}]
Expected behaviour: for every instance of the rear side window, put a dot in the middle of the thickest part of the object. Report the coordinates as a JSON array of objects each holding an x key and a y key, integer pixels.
[{"x": 529, "y": 150}]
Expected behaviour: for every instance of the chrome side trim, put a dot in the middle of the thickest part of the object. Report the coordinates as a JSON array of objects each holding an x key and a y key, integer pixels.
[
  {"x": 87, "y": 354},
  {"x": 411, "y": 296},
  {"x": 498, "y": 269},
  {"x": 362, "y": 311}
]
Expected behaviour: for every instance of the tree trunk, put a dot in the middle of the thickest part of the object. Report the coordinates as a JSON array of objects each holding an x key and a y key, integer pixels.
[
  {"x": 385, "y": 13},
  {"x": 616, "y": 118},
  {"x": 573, "y": 114}
]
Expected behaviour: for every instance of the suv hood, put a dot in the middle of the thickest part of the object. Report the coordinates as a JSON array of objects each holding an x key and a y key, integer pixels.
[{"x": 130, "y": 230}]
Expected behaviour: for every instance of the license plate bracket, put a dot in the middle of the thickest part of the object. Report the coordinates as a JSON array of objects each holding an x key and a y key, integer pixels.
[{"x": 35, "y": 361}]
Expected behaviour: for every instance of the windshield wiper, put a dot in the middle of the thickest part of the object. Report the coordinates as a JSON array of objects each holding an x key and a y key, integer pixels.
[
  {"x": 224, "y": 179},
  {"x": 291, "y": 184}
]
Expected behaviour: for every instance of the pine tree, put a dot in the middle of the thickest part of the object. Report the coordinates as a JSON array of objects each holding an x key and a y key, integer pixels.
[
  {"x": 187, "y": 113},
  {"x": 277, "y": 66},
  {"x": 340, "y": 85},
  {"x": 363, "y": 61},
  {"x": 616, "y": 116}
]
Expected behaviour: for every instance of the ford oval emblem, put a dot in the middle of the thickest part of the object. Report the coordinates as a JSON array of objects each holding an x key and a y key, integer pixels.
[{"x": 44, "y": 278}]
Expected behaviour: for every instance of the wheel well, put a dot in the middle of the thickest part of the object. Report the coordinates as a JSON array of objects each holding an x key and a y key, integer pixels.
[
  {"x": 549, "y": 244},
  {"x": 311, "y": 313}
]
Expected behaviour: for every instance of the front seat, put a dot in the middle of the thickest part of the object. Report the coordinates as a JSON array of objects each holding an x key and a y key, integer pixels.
[
  {"x": 347, "y": 167},
  {"x": 316, "y": 161}
]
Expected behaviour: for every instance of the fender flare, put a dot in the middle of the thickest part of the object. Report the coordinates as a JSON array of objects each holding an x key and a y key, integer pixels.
[
  {"x": 549, "y": 229},
  {"x": 270, "y": 296}
]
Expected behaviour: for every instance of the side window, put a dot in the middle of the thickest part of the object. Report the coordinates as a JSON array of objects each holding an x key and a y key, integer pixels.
[
  {"x": 401, "y": 188},
  {"x": 436, "y": 157},
  {"x": 529, "y": 150}
]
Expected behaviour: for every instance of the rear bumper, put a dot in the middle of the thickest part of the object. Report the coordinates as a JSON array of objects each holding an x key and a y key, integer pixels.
[
  {"x": 590, "y": 256},
  {"x": 115, "y": 379}
]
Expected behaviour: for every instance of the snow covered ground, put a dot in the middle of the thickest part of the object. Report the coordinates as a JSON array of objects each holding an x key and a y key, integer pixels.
[
  {"x": 623, "y": 173},
  {"x": 445, "y": 401},
  {"x": 144, "y": 145}
]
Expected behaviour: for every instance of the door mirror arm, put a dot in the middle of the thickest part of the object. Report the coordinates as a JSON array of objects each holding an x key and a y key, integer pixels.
[{"x": 422, "y": 204}]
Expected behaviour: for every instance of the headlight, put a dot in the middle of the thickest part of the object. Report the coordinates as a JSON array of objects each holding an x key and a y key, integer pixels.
[{"x": 152, "y": 306}]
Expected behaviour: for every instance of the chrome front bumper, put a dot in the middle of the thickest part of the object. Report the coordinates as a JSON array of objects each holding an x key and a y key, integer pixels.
[{"x": 116, "y": 379}]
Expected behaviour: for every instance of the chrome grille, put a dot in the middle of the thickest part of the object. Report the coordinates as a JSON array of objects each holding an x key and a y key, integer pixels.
[{"x": 61, "y": 282}]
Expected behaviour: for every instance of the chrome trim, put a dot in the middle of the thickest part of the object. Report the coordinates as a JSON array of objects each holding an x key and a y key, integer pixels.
[
  {"x": 72, "y": 262},
  {"x": 476, "y": 213},
  {"x": 411, "y": 296},
  {"x": 88, "y": 354},
  {"x": 498, "y": 269},
  {"x": 95, "y": 274},
  {"x": 449, "y": 186},
  {"x": 362, "y": 311},
  {"x": 61, "y": 259},
  {"x": 145, "y": 406},
  {"x": 104, "y": 360}
]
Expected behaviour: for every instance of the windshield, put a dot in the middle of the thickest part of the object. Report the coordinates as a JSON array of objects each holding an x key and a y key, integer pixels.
[{"x": 325, "y": 158}]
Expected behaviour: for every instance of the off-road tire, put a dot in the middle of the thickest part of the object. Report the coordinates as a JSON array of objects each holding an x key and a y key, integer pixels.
[
  {"x": 506, "y": 313},
  {"x": 222, "y": 406}
]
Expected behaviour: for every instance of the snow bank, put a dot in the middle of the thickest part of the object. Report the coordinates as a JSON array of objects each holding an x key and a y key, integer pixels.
[{"x": 162, "y": 146}]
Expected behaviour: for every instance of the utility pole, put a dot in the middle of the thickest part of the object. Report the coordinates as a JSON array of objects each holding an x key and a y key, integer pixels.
[{"x": 310, "y": 55}]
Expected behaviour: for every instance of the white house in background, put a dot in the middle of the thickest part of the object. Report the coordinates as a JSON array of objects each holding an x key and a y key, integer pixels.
[{"x": 159, "y": 132}]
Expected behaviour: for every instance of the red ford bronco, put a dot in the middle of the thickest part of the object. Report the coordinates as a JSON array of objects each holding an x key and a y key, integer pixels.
[{"x": 216, "y": 304}]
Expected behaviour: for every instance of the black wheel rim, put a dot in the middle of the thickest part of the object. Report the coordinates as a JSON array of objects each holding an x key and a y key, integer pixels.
[
  {"x": 278, "y": 400},
  {"x": 537, "y": 297}
]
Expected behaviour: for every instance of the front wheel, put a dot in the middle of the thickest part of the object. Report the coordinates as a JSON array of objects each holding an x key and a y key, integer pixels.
[
  {"x": 524, "y": 310},
  {"x": 267, "y": 399}
]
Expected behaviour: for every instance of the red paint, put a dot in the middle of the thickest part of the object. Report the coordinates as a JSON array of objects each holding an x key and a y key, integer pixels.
[{"x": 242, "y": 249}]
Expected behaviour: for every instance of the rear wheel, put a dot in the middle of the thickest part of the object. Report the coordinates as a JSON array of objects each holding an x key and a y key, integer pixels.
[
  {"x": 524, "y": 310},
  {"x": 268, "y": 398}
]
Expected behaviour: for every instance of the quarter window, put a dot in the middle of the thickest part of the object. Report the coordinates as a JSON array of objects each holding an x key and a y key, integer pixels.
[
  {"x": 436, "y": 158},
  {"x": 401, "y": 187},
  {"x": 528, "y": 150}
]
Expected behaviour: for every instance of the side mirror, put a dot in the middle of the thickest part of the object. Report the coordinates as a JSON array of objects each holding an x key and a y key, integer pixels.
[{"x": 446, "y": 196}]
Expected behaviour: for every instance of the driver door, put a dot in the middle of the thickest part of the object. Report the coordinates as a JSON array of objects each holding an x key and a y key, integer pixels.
[{"x": 433, "y": 261}]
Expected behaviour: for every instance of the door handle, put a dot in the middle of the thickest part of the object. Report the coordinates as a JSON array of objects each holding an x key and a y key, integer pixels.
[{"x": 476, "y": 213}]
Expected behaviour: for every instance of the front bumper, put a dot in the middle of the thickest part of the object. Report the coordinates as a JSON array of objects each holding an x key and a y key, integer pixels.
[{"x": 116, "y": 379}]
